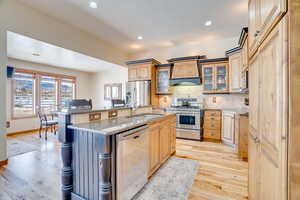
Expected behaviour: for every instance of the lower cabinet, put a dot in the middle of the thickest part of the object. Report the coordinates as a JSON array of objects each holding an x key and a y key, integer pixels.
[
  {"x": 165, "y": 142},
  {"x": 228, "y": 127},
  {"x": 162, "y": 142},
  {"x": 154, "y": 146}
]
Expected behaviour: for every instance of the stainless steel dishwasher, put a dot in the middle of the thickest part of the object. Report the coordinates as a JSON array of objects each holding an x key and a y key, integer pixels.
[{"x": 132, "y": 162}]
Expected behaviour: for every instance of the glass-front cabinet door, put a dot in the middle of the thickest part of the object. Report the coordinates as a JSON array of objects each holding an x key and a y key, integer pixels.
[
  {"x": 163, "y": 77},
  {"x": 208, "y": 78},
  {"x": 221, "y": 77}
]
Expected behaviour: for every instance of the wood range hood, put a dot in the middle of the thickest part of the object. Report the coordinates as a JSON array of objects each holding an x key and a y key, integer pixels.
[{"x": 186, "y": 70}]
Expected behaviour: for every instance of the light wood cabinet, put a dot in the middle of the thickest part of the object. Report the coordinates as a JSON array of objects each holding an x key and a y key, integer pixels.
[
  {"x": 254, "y": 24},
  {"x": 162, "y": 142},
  {"x": 144, "y": 70},
  {"x": 132, "y": 73},
  {"x": 244, "y": 55},
  {"x": 215, "y": 77},
  {"x": 212, "y": 125},
  {"x": 228, "y": 127},
  {"x": 162, "y": 80},
  {"x": 165, "y": 143},
  {"x": 268, "y": 118},
  {"x": 185, "y": 69},
  {"x": 273, "y": 114},
  {"x": 235, "y": 66},
  {"x": 139, "y": 72},
  {"x": 154, "y": 148},
  {"x": 173, "y": 135},
  {"x": 254, "y": 95},
  {"x": 253, "y": 166},
  {"x": 243, "y": 137},
  {"x": 263, "y": 16}
]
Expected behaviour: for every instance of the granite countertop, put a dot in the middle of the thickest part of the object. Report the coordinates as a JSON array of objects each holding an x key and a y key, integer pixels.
[
  {"x": 239, "y": 111},
  {"x": 96, "y": 110},
  {"x": 117, "y": 125}
]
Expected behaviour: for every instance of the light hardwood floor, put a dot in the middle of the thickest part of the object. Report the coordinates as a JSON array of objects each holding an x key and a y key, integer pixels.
[
  {"x": 221, "y": 174},
  {"x": 36, "y": 175}
]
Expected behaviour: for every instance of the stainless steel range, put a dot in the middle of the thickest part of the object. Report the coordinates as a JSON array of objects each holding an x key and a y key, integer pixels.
[{"x": 189, "y": 115}]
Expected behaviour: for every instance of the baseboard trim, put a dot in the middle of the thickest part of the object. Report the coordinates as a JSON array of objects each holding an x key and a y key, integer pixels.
[
  {"x": 4, "y": 162},
  {"x": 22, "y": 132}
]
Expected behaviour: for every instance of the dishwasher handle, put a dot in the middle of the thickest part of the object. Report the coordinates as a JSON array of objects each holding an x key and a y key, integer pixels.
[{"x": 134, "y": 133}]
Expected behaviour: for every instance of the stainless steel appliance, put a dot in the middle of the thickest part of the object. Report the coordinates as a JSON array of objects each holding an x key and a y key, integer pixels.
[
  {"x": 132, "y": 162},
  {"x": 189, "y": 118},
  {"x": 138, "y": 93}
]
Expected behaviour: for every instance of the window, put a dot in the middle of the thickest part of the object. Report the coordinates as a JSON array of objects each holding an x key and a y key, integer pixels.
[
  {"x": 48, "y": 93},
  {"x": 67, "y": 91},
  {"x": 32, "y": 90},
  {"x": 113, "y": 91},
  {"x": 23, "y": 95}
]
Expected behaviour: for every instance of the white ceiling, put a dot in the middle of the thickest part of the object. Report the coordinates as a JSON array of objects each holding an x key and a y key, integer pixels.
[
  {"x": 160, "y": 22},
  {"x": 23, "y": 48}
]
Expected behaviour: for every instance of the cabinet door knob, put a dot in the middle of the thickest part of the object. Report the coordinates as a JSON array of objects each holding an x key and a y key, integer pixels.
[{"x": 256, "y": 33}]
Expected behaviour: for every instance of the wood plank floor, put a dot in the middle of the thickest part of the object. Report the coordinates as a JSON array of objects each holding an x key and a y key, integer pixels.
[
  {"x": 36, "y": 175},
  {"x": 221, "y": 174}
]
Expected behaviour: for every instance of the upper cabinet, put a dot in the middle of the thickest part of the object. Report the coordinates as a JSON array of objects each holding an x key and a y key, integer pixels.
[
  {"x": 141, "y": 70},
  {"x": 215, "y": 75},
  {"x": 235, "y": 65},
  {"x": 243, "y": 42},
  {"x": 163, "y": 74},
  {"x": 144, "y": 70},
  {"x": 263, "y": 15}
]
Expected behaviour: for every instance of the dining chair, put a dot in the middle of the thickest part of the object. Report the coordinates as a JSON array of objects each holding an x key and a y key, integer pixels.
[{"x": 47, "y": 123}]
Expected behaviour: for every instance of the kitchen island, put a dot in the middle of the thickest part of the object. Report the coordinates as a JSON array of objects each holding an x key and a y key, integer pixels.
[{"x": 96, "y": 156}]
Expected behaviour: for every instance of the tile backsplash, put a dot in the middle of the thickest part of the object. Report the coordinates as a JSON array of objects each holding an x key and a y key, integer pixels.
[{"x": 213, "y": 101}]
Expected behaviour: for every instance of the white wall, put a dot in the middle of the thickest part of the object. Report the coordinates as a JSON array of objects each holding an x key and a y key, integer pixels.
[
  {"x": 2, "y": 93},
  {"x": 82, "y": 91},
  {"x": 212, "y": 48},
  {"x": 98, "y": 80}
]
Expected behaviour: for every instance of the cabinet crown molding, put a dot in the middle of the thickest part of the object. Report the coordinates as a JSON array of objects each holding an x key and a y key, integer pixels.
[
  {"x": 213, "y": 60},
  {"x": 243, "y": 36},
  {"x": 143, "y": 61},
  {"x": 187, "y": 58},
  {"x": 233, "y": 51}
]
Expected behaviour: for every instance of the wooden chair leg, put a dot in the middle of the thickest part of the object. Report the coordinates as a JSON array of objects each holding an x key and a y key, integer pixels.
[
  {"x": 40, "y": 131},
  {"x": 46, "y": 133}
]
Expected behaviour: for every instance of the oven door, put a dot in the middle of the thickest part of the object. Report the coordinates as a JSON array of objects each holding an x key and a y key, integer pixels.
[{"x": 187, "y": 120}]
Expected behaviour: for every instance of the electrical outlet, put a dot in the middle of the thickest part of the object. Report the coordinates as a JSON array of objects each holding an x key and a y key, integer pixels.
[
  {"x": 214, "y": 99},
  {"x": 7, "y": 124}
]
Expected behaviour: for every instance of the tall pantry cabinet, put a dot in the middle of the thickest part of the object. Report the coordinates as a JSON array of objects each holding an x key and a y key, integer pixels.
[{"x": 273, "y": 151}]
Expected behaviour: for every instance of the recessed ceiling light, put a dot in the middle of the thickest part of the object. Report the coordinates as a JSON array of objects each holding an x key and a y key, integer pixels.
[
  {"x": 93, "y": 4},
  {"x": 140, "y": 37},
  {"x": 208, "y": 23},
  {"x": 35, "y": 54}
]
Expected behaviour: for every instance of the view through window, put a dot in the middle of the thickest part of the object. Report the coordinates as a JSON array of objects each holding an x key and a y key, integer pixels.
[
  {"x": 33, "y": 91},
  {"x": 24, "y": 92},
  {"x": 67, "y": 91},
  {"x": 48, "y": 93}
]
